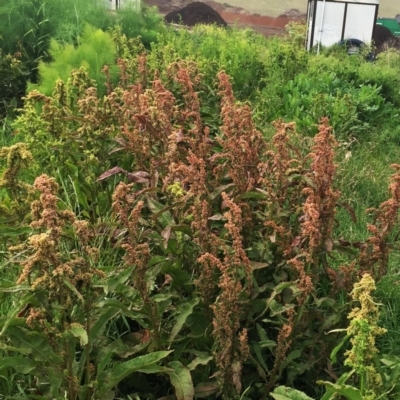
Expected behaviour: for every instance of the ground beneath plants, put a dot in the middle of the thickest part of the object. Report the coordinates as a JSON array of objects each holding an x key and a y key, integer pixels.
[
  {"x": 195, "y": 13},
  {"x": 267, "y": 25}
]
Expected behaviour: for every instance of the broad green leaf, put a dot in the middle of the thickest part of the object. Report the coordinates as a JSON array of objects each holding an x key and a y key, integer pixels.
[
  {"x": 349, "y": 392},
  {"x": 159, "y": 298},
  {"x": 285, "y": 393},
  {"x": 6, "y": 347},
  {"x": 106, "y": 314},
  {"x": 161, "y": 213},
  {"x": 219, "y": 190},
  {"x": 22, "y": 365},
  {"x": 33, "y": 343},
  {"x": 331, "y": 393},
  {"x": 271, "y": 303},
  {"x": 123, "y": 348},
  {"x": 259, "y": 356},
  {"x": 201, "y": 360},
  {"x": 122, "y": 277},
  {"x": 181, "y": 380},
  {"x": 80, "y": 333},
  {"x": 251, "y": 195},
  {"x": 198, "y": 323},
  {"x": 12, "y": 232},
  {"x": 187, "y": 309},
  {"x": 180, "y": 277},
  {"x": 13, "y": 315},
  {"x": 103, "y": 359},
  {"x": 277, "y": 308},
  {"x": 157, "y": 259},
  {"x": 258, "y": 265},
  {"x": 111, "y": 378},
  {"x": 55, "y": 380},
  {"x": 261, "y": 333},
  {"x": 205, "y": 389}
]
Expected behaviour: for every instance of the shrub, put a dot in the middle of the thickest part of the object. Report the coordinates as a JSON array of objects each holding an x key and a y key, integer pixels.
[
  {"x": 238, "y": 52},
  {"x": 12, "y": 84},
  {"x": 219, "y": 260},
  {"x": 95, "y": 50}
]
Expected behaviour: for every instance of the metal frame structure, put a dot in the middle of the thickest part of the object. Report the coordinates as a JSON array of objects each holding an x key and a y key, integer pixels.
[
  {"x": 333, "y": 21},
  {"x": 119, "y": 4}
]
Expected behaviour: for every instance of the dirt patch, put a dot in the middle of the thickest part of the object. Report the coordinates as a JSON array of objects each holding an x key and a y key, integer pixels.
[
  {"x": 232, "y": 15},
  {"x": 384, "y": 39},
  {"x": 195, "y": 13},
  {"x": 381, "y": 35}
]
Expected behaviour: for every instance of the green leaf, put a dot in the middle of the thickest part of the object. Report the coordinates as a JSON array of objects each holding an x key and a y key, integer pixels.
[
  {"x": 121, "y": 278},
  {"x": 251, "y": 195},
  {"x": 205, "y": 389},
  {"x": 14, "y": 289},
  {"x": 258, "y": 265},
  {"x": 99, "y": 326},
  {"x": 201, "y": 360},
  {"x": 111, "y": 378},
  {"x": 181, "y": 380},
  {"x": 285, "y": 393},
  {"x": 13, "y": 315},
  {"x": 180, "y": 277},
  {"x": 187, "y": 309},
  {"x": 331, "y": 393},
  {"x": 122, "y": 347},
  {"x": 12, "y": 232},
  {"x": 198, "y": 323},
  {"x": 22, "y": 365},
  {"x": 219, "y": 190},
  {"x": 80, "y": 333},
  {"x": 259, "y": 356},
  {"x": 350, "y": 392},
  {"x": 74, "y": 290},
  {"x": 337, "y": 348},
  {"x": 33, "y": 343},
  {"x": 161, "y": 213}
]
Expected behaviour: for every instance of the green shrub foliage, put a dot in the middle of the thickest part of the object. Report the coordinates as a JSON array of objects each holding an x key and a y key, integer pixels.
[{"x": 96, "y": 49}]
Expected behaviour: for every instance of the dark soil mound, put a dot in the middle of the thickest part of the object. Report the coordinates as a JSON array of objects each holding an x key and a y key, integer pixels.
[
  {"x": 381, "y": 35},
  {"x": 195, "y": 13}
]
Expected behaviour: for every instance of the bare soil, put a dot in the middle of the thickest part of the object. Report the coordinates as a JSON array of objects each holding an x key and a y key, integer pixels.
[
  {"x": 233, "y": 15},
  {"x": 268, "y": 17},
  {"x": 195, "y": 13}
]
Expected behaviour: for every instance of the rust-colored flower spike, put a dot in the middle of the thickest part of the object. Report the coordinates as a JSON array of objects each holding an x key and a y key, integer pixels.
[
  {"x": 191, "y": 176},
  {"x": 231, "y": 347},
  {"x": 320, "y": 205},
  {"x": 304, "y": 283},
  {"x": 44, "y": 210},
  {"x": 242, "y": 144},
  {"x": 374, "y": 256},
  {"x": 136, "y": 254},
  {"x": 237, "y": 260},
  {"x": 187, "y": 75},
  {"x": 284, "y": 342},
  {"x": 282, "y": 162}
]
